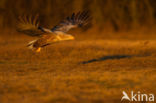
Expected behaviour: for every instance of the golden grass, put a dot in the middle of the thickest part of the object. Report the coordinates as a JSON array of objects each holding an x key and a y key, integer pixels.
[{"x": 84, "y": 70}]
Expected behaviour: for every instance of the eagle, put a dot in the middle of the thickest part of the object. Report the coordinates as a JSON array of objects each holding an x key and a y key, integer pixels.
[{"x": 30, "y": 25}]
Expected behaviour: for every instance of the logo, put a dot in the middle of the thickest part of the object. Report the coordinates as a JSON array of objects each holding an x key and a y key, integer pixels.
[{"x": 137, "y": 96}]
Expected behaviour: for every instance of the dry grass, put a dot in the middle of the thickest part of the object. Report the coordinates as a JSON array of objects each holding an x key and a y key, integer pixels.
[{"x": 76, "y": 71}]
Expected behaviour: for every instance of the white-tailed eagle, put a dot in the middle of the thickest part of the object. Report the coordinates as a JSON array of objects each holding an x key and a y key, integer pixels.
[{"x": 31, "y": 27}]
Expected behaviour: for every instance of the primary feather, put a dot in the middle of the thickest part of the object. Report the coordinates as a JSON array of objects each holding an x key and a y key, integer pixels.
[
  {"x": 76, "y": 20},
  {"x": 29, "y": 26}
]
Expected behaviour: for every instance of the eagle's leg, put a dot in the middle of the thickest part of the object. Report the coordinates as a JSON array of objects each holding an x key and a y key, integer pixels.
[{"x": 38, "y": 49}]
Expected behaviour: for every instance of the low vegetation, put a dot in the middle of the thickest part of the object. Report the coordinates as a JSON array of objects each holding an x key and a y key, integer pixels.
[{"x": 84, "y": 70}]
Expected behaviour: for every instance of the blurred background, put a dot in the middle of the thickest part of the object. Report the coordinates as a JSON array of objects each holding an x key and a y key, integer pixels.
[{"x": 110, "y": 15}]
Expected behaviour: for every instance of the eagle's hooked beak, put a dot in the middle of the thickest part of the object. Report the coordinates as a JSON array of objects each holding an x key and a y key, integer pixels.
[{"x": 69, "y": 37}]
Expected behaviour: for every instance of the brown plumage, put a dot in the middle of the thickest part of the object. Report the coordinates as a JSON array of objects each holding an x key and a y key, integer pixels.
[{"x": 30, "y": 26}]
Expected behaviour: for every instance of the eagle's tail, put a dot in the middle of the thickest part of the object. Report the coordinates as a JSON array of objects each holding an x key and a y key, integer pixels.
[{"x": 31, "y": 46}]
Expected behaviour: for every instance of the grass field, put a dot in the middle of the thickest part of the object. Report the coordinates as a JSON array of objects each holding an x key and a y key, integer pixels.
[{"x": 86, "y": 70}]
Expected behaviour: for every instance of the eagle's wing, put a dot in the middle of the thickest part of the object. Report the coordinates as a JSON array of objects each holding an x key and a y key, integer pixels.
[
  {"x": 76, "y": 20},
  {"x": 29, "y": 26}
]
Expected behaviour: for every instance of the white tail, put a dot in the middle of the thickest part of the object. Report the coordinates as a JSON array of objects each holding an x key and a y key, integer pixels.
[{"x": 31, "y": 43}]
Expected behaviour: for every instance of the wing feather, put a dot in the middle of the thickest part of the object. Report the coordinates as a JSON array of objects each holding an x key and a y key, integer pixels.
[
  {"x": 76, "y": 20},
  {"x": 29, "y": 26}
]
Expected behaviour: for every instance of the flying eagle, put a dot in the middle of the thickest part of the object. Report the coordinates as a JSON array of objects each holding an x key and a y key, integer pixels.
[{"x": 31, "y": 27}]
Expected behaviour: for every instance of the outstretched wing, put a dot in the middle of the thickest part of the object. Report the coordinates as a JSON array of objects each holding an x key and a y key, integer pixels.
[
  {"x": 29, "y": 26},
  {"x": 76, "y": 20}
]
